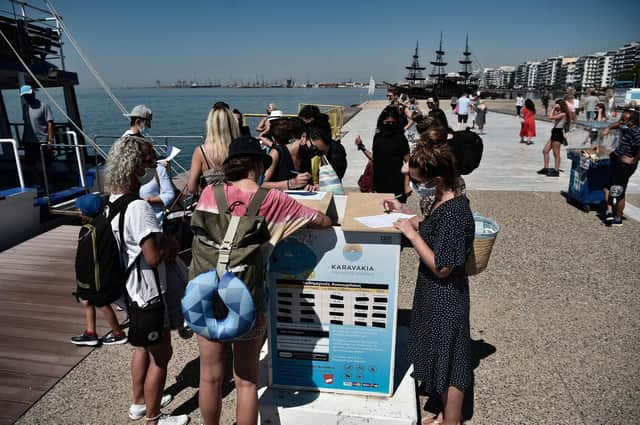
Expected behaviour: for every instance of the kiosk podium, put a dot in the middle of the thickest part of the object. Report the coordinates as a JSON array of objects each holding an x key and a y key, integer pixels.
[{"x": 333, "y": 312}]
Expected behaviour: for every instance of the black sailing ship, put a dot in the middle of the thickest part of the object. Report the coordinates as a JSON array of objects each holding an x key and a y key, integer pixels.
[{"x": 440, "y": 84}]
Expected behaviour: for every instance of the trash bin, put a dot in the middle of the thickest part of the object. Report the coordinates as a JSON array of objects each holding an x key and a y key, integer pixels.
[{"x": 589, "y": 174}]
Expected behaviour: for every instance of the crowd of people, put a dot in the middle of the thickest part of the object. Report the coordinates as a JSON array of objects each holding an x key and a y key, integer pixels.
[{"x": 411, "y": 154}]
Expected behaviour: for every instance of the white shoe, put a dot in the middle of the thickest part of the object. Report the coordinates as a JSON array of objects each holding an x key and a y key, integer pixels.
[
  {"x": 172, "y": 420},
  {"x": 137, "y": 411}
]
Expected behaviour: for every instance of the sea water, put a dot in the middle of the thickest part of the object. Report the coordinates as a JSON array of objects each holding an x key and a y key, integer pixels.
[{"x": 183, "y": 111}]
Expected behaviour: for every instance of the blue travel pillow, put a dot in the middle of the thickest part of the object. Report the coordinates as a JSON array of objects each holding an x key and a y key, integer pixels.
[{"x": 198, "y": 306}]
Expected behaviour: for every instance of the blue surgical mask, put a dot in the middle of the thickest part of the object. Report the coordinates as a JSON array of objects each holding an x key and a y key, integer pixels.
[
  {"x": 261, "y": 179},
  {"x": 144, "y": 131},
  {"x": 624, "y": 127}
]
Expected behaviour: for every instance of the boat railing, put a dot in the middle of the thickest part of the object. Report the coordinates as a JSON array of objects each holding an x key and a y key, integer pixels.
[
  {"x": 14, "y": 146},
  {"x": 160, "y": 145}
]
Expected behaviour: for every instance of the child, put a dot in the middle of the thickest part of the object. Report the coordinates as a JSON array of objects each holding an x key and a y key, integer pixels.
[{"x": 90, "y": 206}]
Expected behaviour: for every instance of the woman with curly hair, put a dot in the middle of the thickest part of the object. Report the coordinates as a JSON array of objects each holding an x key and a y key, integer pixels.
[
  {"x": 130, "y": 164},
  {"x": 206, "y": 161}
]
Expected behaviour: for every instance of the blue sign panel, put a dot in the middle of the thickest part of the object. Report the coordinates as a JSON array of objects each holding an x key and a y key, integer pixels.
[{"x": 333, "y": 313}]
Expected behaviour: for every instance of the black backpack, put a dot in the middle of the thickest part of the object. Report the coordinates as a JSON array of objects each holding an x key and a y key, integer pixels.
[
  {"x": 100, "y": 275},
  {"x": 466, "y": 147}
]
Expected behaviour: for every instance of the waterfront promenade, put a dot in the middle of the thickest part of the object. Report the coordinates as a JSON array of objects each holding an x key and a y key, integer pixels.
[{"x": 554, "y": 317}]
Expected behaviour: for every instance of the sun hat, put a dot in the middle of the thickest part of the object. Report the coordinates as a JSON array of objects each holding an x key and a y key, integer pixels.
[
  {"x": 26, "y": 89},
  {"x": 247, "y": 146},
  {"x": 140, "y": 111},
  {"x": 275, "y": 114},
  {"x": 90, "y": 204}
]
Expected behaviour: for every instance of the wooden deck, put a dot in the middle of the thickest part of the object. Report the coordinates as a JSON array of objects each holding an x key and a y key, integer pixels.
[{"x": 38, "y": 315}]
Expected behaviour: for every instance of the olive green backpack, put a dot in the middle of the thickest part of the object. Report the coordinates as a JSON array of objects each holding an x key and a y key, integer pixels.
[{"x": 225, "y": 242}]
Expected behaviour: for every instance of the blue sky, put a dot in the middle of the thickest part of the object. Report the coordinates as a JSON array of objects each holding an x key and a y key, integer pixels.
[{"x": 137, "y": 43}]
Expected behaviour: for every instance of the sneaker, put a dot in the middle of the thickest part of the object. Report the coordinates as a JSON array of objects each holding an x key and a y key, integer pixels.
[
  {"x": 137, "y": 411},
  {"x": 112, "y": 339},
  {"x": 552, "y": 172},
  {"x": 85, "y": 339},
  {"x": 616, "y": 222},
  {"x": 185, "y": 332},
  {"x": 173, "y": 420},
  {"x": 543, "y": 171},
  {"x": 608, "y": 217}
]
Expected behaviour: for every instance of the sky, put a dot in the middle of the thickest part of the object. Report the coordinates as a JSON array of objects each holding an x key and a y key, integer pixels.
[{"x": 137, "y": 43}]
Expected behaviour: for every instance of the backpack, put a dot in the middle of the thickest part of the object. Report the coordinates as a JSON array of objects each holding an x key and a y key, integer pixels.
[
  {"x": 242, "y": 256},
  {"x": 466, "y": 147},
  {"x": 100, "y": 276}
]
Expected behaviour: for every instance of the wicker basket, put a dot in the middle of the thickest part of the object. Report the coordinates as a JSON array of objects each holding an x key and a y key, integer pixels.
[{"x": 486, "y": 233}]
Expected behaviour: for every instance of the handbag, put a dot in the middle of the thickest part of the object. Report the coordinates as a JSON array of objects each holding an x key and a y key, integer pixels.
[
  {"x": 365, "y": 182},
  {"x": 328, "y": 178},
  {"x": 146, "y": 324},
  {"x": 455, "y": 111}
]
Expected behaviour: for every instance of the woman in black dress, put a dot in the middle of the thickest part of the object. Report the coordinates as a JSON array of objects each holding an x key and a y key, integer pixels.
[{"x": 439, "y": 338}]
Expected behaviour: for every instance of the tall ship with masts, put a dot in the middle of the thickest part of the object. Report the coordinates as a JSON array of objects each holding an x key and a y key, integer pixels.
[{"x": 439, "y": 83}]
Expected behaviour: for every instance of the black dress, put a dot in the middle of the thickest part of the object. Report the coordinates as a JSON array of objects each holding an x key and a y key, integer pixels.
[
  {"x": 388, "y": 153},
  {"x": 439, "y": 337}
]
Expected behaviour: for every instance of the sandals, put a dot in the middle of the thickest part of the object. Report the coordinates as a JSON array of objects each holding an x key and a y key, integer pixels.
[{"x": 436, "y": 420}]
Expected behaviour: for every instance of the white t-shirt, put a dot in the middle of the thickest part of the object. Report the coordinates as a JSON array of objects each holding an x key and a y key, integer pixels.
[
  {"x": 139, "y": 222},
  {"x": 519, "y": 101},
  {"x": 463, "y": 105}
]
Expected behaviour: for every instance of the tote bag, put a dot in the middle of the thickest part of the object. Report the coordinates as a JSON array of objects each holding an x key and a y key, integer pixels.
[{"x": 329, "y": 181}]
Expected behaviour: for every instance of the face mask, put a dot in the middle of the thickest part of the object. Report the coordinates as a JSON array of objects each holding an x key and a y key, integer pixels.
[
  {"x": 388, "y": 127},
  {"x": 422, "y": 190},
  {"x": 149, "y": 174},
  {"x": 260, "y": 179},
  {"x": 624, "y": 127},
  {"x": 144, "y": 131}
]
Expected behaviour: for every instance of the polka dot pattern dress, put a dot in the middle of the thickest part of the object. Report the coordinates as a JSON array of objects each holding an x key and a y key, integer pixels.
[{"x": 439, "y": 337}]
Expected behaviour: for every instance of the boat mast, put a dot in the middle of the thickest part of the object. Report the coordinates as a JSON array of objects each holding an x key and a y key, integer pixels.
[
  {"x": 439, "y": 64},
  {"x": 465, "y": 73},
  {"x": 415, "y": 70}
]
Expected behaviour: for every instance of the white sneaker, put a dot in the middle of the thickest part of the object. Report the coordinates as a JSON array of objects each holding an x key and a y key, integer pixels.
[
  {"x": 173, "y": 420},
  {"x": 137, "y": 411}
]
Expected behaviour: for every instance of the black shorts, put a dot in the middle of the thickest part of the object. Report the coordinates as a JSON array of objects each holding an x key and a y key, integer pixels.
[
  {"x": 620, "y": 174},
  {"x": 463, "y": 118},
  {"x": 557, "y": 135}
]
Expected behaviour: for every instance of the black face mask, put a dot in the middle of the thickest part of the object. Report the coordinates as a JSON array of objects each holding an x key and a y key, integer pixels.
[
  {"x": 310, "y": 151},
  {"x": 390, "y": 127}
]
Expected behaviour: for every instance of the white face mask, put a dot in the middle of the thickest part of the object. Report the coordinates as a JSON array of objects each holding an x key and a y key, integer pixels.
[
  {"x": 149, "y": 174},
  {"x": 422, "y": 190}
]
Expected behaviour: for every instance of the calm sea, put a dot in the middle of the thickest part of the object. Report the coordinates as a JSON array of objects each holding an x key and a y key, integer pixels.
[{"x": 184, "y": 111}]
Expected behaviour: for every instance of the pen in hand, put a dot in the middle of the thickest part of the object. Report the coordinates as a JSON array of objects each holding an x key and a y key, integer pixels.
[{"x": 386, "y": 210}]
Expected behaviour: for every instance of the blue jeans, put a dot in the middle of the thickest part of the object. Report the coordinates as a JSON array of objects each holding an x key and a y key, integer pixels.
[{"x": 591, "y": 115}]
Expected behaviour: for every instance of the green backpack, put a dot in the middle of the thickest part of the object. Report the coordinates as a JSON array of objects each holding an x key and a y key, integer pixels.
[{"x": 225, "y": 242}]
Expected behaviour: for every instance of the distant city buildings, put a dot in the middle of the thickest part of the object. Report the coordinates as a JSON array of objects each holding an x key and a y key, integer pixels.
[{"x": 559, "y": 72}]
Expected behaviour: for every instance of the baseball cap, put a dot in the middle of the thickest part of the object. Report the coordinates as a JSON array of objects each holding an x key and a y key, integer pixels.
[
  {"x": 140, "y": 111},
  {"x": 90, "y": 204},
  {"x": 26, "y": 89}
]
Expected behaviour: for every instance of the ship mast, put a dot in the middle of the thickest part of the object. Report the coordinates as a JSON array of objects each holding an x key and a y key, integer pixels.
[
  {"x": 415, "y": 70},
  {"x": 465, "y": 73},
  {"x": 438, "y": 72}
]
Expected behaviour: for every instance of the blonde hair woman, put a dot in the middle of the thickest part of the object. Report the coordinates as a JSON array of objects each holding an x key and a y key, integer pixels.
[{"x": 207, "y": 159}]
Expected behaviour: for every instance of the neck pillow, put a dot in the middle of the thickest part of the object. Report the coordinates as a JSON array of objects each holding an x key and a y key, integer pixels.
[{"x": 198, "y": 306}]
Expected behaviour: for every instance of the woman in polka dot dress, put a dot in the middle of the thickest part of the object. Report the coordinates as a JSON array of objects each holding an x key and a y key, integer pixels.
[{"x": 439, "y": 338}]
